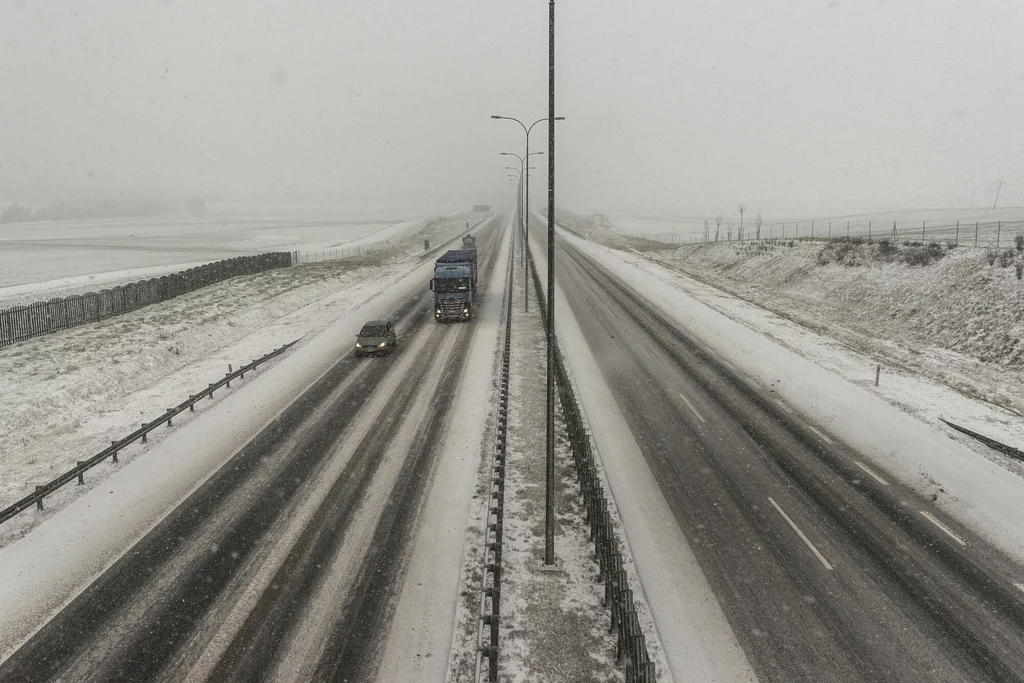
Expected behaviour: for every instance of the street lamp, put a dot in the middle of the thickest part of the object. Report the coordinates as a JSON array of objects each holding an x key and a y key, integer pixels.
[
  {"x": 526, "y": 130},
  {"x": 526, "y": 200},
  {"x": 523, "y": 225}
]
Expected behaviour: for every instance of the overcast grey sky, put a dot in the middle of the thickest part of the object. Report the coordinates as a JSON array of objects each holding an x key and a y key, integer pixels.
[{"x": 793, "y": 106}]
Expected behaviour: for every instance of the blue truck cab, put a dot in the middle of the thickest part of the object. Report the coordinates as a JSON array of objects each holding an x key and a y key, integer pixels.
[{"x": 454, "y": 285}]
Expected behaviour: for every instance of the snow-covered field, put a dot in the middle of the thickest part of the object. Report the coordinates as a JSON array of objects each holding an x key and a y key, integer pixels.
[{"x": 40, "y": 260}]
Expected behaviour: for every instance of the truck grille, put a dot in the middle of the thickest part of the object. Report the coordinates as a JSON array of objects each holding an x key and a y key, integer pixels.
[{"x": 451, "y": 307}]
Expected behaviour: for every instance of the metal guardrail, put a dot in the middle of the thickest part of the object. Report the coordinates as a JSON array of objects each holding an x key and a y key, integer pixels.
[
  {"x": 631, "y": 645},
  {"x": 1015, "y": 453},
  {"x": 78, "y": 472},
  {"x": 490, "y": 582}
]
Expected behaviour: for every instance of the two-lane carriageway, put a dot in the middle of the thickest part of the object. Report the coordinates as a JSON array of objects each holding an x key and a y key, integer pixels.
[
  {"x": 826, "y": 568},
  {"x": 287, "y": 564}
]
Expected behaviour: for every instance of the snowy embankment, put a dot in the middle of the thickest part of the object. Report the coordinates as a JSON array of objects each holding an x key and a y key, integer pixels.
[
  {"x": 943, "y": 333},
  {"x": 832, "y": 385},
  {"x": 956, "y": 320},
  {"x": 67, "y": 395}
]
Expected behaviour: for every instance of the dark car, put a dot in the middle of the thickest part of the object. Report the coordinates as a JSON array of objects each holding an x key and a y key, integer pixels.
[{"x": 376, "y": 337}]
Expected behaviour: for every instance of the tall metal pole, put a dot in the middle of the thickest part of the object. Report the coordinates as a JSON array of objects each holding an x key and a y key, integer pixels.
[
  {"x": 526, "y": 229},
  {"x": 549, "y": 519}
]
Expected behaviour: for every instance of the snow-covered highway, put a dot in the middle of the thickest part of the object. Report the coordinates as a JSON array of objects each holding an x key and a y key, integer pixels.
[
  {"x": 772, "y": 529},
  {"x": 824, "y": 569},
  {"x": 287, "y": 563}
]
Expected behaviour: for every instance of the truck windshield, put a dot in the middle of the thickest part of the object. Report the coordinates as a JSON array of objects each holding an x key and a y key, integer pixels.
[{"x": 448, "y": 285}]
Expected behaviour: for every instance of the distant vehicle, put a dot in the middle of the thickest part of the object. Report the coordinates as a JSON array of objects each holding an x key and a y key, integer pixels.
[
  {"x": 377, "y": 337},
  {"x": 454, "y": 285},
  {"x": 468, "y": 242}
]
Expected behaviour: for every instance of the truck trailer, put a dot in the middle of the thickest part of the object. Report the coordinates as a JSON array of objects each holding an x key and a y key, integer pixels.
[{"x": 454, "y": 285}]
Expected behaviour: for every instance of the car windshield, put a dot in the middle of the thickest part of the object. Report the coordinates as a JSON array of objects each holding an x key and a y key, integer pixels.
[
  {"x": 449, "y": 285},
  {"x": 373, "y": 331}
]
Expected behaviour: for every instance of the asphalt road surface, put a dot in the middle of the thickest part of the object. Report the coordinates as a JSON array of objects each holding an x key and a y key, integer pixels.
[
  {"x": 827, "y": 569},
  {"x": 285, "y": 565}
]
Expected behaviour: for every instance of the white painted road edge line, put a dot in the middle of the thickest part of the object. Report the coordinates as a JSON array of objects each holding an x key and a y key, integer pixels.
[
  {"x": 821, "y": 435},
  {"x": 870, "y": 471},
  {"x": 800, "y": 534},
  {"x": 699, "y": 416},
  {"x": 784, "y": 406},
  {"x": 949, "y": 532}
]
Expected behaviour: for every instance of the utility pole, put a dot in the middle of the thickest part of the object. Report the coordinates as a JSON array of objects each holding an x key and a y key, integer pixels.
[{"x": 998, "y": 188}]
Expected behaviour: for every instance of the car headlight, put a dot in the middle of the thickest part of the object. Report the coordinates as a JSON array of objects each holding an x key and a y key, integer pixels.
[
  {"x": 358, "y": 345},
  {"x": 382, "y": 345}
]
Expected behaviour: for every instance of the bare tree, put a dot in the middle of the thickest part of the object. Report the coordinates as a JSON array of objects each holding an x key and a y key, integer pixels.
[
  {"x": 706, "y": 229},
  {"x": 728, "y": 235},
  {"x": 743, "y": 207},
  {"x": 758, "y": 221},
  {"x": 718, "y": 226}
]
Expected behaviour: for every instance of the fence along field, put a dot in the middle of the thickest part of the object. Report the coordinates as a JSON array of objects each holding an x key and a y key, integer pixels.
[
  {"x": 998, "y": 234},
  {"x": 24, "y": 322}
]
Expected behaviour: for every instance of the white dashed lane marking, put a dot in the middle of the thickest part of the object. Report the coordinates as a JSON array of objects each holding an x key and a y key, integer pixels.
[
  {"x": 806, "y": 540},
  {"x": 949, "y": 532},
  {"x": 821, "y": 435},
  {"x": 699, "y": 416},
  {"x": 874, "y": 474}
]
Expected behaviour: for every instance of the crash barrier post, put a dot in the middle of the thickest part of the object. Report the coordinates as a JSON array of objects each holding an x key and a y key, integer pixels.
[{"x": 490, "y": 582}]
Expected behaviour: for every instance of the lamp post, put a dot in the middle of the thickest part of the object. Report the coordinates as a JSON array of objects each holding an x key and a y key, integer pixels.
[
  {"x": 526, "y": 177},
  {"x": 526, "y": 201},
  {"x": 526, "y": 129},
  {"x": 526, "y": 171},
  {"x": 519, "y": 192}
]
